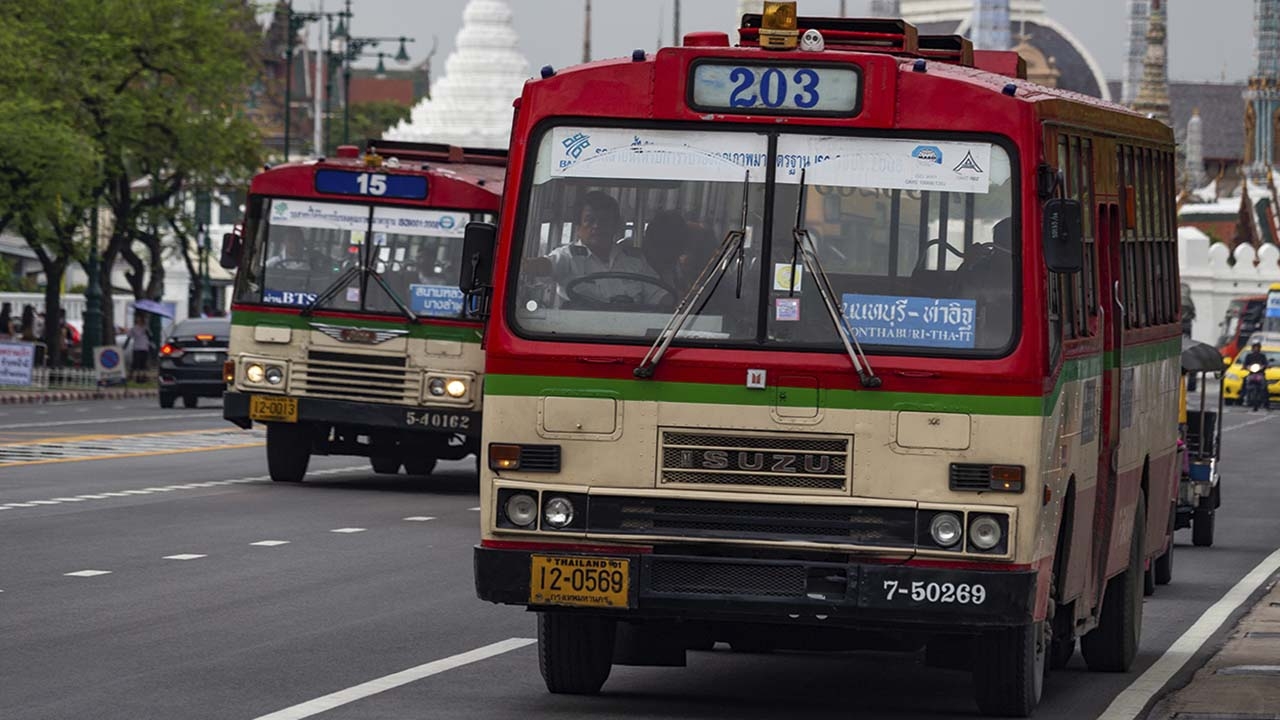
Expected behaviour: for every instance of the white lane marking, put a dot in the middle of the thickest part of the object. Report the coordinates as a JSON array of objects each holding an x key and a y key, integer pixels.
[
  {"x": 109, "y": 421},
  {"x": 347, "y": 530},
  {"x": 395, "y": 680},
  {"x": 183, "y": 556},
  {"x": 1247, "y": 423},
  {"x": 1133, "y": 700},
  {"x": 419, "y": 518},
  {"x": 474, "y": 509},
  {"x": 270, "y": 543},
  {"x": 87, "y": 573},
  {"x": 166, "y": 488},
  {"x": 82, "y": 410}
]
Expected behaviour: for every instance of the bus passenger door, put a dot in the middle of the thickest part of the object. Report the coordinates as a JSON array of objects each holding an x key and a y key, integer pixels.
[{"x": 1111, "y": 316}]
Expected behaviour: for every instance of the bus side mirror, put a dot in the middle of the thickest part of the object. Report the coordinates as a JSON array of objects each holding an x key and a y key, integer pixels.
[
  {"x": 477, "y": 256},
  {"x": 1063, "y": 236},
  {"x": 231, "y": 246}
]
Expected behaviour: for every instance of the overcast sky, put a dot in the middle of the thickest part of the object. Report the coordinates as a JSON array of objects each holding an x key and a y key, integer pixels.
[{"x": 1210, "y": 40}]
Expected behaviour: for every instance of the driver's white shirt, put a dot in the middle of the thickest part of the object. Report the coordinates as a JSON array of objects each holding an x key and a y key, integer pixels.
[{"x": 569, "y": 262}]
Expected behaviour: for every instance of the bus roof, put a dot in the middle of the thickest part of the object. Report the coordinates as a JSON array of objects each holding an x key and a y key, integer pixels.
[{"x": 461, "y": 178}]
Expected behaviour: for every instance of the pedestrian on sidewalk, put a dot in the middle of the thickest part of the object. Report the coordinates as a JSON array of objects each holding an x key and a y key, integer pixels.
[
  {"x": 28, "y": 323},
  {"x": 139, "y": 339},
  {"x": 6, "y": 321}
]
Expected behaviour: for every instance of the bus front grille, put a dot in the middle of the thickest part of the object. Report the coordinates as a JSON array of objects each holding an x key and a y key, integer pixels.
[
  {"x": 350, "y": 376},
  {"x": 794, "y": 461},
  {"x": 890, "y": 527},
  {"x": 701, "y": 577}
]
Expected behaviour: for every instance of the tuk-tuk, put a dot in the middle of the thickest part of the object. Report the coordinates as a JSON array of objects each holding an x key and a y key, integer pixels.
[{"x": 1200, "y": 490}]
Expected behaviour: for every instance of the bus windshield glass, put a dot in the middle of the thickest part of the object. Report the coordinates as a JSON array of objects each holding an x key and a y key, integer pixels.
[
  {"x": 299, "y": 249},
  {"x": 917, "y": 238}
]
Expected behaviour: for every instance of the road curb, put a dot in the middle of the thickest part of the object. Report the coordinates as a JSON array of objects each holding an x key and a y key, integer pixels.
[{"x": 31, "y": 398}]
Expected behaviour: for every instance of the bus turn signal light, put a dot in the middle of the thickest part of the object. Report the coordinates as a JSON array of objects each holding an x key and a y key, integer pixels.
[
  {"x": 229, "y": 372},
  {"x": 504, "y": 457},
  {"x": 1006, "y": 478}
]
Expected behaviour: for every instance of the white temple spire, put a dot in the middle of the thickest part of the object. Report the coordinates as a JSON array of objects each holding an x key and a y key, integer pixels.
[
  {"x": 886, "y": 8},
  {"x": 1135, "y": 50},
  {"x": 990, "y": 25},
  {"x": 470, "y": 105},
  {"x": 1195, "y": 152}
]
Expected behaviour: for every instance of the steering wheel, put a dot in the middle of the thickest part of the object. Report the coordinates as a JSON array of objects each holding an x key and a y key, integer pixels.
[
  {"x": 576, "y": 296},
  {"x": 924, "y": 254}
]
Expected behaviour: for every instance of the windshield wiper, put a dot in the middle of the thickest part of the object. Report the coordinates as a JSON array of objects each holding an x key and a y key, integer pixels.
[
  {"x": 731, "y": 248},
  {"x": 807, "y": 251},
  {"x": 347, "y": 276}
]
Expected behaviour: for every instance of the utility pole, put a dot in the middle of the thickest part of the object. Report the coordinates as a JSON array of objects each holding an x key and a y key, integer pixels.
[
  {"x": 843, "y": 13},
  {"x": 586, "y": 34},
  {"x": 92, "y": 337},
  {"x": 675, "y": 24},
  {"x": 317, "y": 104}
]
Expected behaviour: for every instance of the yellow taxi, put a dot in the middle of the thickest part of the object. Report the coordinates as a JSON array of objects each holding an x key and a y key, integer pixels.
[{"x": 1233, "y": 383}]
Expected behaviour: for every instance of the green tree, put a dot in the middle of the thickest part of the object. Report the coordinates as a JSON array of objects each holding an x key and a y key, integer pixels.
[{"x": 371, "y": 119}]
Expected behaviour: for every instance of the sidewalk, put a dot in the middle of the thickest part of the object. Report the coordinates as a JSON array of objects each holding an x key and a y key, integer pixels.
[
  {"x": 25, "y": 397},
  {"x": 1242, "y": 681}
]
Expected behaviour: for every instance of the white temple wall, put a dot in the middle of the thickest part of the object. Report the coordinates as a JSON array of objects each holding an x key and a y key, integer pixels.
[{"x": 1215, "y": 282}]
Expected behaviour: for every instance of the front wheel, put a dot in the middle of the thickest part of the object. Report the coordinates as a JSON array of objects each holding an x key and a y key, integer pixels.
[
  {"x": 288, "y": 452},
  {"x": 166, "y": 400},
  {"x": 419, "y": 464},
  {"x": 1113, "y": 644},
  {"x": 575, "y": 652},
  {"x": 385, "y": 464},
  {"x": 190, "y": 401},
  {"x": 1009, "y": 669}
]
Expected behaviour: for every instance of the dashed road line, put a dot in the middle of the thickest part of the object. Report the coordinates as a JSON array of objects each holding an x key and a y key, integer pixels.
[
  {"x": 395, "y": 680},
  {"x": 270, "y": 543},
  {"x": 162, "y": 489},
  {"x": 183, "y": 556},
  {"x": 348, "y": 531},
  {"x": 420, "y": 518},
  {"x": 87, "y": 573}
]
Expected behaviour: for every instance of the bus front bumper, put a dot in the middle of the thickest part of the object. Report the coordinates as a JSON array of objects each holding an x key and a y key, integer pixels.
[
  {"x": 236, "y": 408},
  {"x": 741, "y": 589}
]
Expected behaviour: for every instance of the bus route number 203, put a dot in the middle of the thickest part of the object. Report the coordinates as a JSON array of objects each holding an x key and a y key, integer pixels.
[
  {"x": 436, "y": 420},
  {"x": 935, "y": 593}
]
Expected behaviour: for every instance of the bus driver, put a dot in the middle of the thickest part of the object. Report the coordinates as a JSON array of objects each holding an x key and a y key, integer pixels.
[{"x": 596, "y": 250}]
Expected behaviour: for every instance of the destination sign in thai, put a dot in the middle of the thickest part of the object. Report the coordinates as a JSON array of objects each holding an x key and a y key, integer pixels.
[
  {"x": 369, "y": 184},
  {"x": 911, "y": 321},
  {"x": 791, "y": 89}
]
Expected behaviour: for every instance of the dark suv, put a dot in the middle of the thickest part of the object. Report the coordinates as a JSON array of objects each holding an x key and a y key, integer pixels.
[{"x": 191, "y": 361}]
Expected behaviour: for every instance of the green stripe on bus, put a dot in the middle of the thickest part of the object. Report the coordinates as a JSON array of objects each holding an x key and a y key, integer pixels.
[
  {"x": 713, "y": 393},
  {"x": 297, "y": 322}
]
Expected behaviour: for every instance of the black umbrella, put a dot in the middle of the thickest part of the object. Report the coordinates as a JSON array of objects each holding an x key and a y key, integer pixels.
[{"x": 1199, "y": 357}]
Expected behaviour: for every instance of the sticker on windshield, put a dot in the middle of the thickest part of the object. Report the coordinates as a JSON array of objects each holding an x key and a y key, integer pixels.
[
  {"x": 786, "y": 309},
  {"x": 652, "y": 155},
  {"x": 782, "y": 277},
  {"x": 911, "y": 321},
  {"x": 287, "y": 297},
  {"x": 353, "y": 294},
  {"x": 328, "y": 216},
  {"x": 937, "y": 165},
  {"x": 435, "y": 300}
]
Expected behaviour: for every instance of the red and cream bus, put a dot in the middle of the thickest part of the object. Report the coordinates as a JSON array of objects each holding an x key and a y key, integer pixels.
[
  {"x": 349, "y": 335},
  {"x": 866, "y": 343}
]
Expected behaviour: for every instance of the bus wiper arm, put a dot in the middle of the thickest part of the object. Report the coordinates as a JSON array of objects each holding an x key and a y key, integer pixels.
[
  {"x": 377, "y": 276},
  {"x": 730, "y": 247},
  {"x": 807, "y": 251},
  {"x": 329, "y": 292}
]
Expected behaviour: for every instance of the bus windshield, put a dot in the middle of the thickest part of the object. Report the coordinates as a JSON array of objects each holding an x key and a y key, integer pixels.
[
  {"x": 297, "y": 249},
  {"x": 917, "y": 238}
]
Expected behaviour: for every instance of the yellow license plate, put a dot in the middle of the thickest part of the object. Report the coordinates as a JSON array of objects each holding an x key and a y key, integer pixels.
[
  {"x": 580, "y": 581},
  {"x": 273, "y": 409}
]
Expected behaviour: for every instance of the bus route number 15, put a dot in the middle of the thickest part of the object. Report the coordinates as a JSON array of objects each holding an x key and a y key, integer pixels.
[{"x": 372, "y": 184}]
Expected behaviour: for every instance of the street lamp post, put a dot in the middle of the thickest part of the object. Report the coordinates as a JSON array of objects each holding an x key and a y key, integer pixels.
[
  {"x": 295, "y": 23},
  {"x": 355, "y": 48},
  {"x": 92, "y": 336}
]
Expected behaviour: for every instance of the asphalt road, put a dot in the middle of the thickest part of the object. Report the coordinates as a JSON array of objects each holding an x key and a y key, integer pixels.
[{"x": 178, "y": 583}]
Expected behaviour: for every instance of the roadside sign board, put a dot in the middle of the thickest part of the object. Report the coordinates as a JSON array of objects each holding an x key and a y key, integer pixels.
[
  {"x": 108, "y": 360},
  {"x": 16, "y": 362}
]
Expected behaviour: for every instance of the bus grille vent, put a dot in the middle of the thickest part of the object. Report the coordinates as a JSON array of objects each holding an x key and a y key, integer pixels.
[
  {"x": 684, "y": 577},
  {"x": 795, "y": 461},
  {"x": 965, "y": 476},
  {"x": 350, "y": 376}
]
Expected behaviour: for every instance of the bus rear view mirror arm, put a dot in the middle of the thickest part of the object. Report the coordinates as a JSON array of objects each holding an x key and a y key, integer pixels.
[
  {"x": 230, "y": 257},
  {"x": 1062, "y": 235}
]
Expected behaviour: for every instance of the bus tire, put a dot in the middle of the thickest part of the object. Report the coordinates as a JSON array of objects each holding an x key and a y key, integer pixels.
[
  {"x": 190, "y": 401},
  {"x": 575, "y": 652},
  {"x": 288, "y": 452},
  {"x": 1113, "y": 644},
  {"x": 166, "y": 400},
  {"x": 1164, "y": 566},
  {"x": 385, "y": 464},
  {"x": 1202, "y": 521},
  {"x": 1009, "y": 669},
  {"x": 419, "y": 464}
]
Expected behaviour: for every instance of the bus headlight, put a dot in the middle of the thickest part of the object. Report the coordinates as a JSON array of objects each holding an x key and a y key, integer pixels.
[
  {"x": 985, "y": 532},
  {"x": 274, "y": 375},
  {"x": 254, "y": 372},
  {"x": 435, "y": 386},
  {"x": 558, "y": 512},
  {"x": 444, "y": 386},
  {"x": 455, "y": 388},
  {"x": 521, "y": 510},
  {"x": 946, "y": 529}
]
